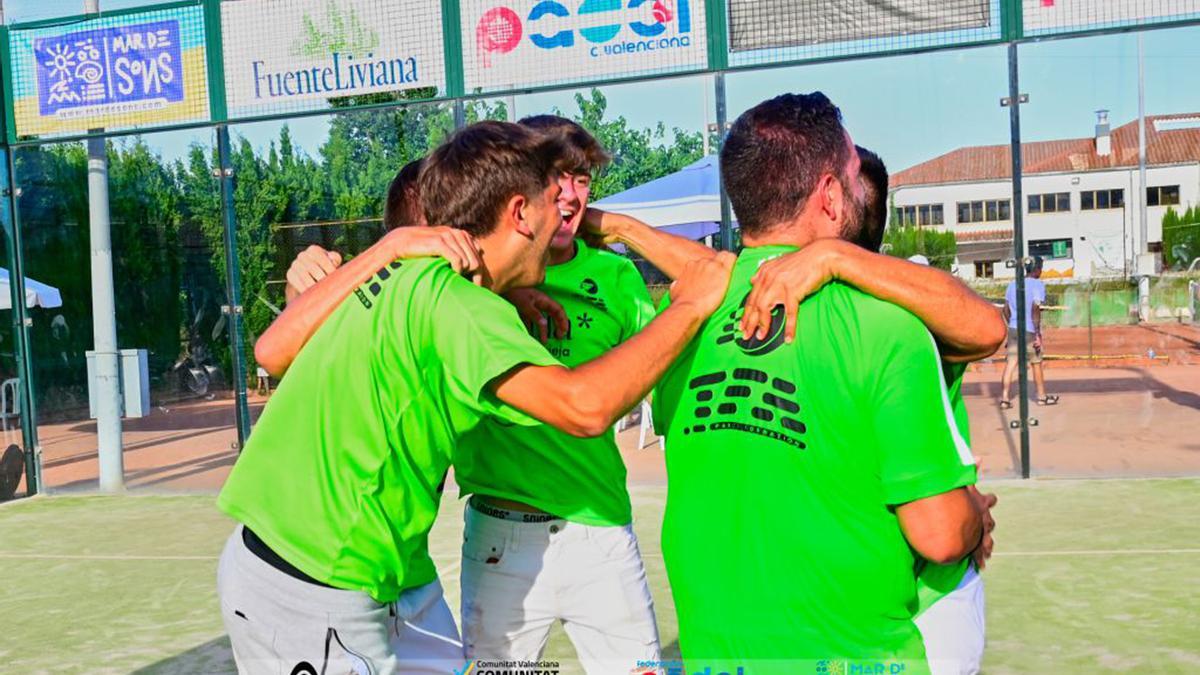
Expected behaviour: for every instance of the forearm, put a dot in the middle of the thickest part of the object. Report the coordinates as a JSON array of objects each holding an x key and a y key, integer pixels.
[
  {"x": 668, "y": 252},
  {"x": 278, "y": 347},
  {"x": 967, "y": 326},
  {"x": 944, "y": 528},
  {"x": 588, "y": 399}
]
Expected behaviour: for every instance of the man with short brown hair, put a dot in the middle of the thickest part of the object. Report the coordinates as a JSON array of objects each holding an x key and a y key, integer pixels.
[{"x": 336, "y": 490}]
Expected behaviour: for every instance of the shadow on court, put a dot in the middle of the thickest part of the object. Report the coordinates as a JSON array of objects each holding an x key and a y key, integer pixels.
[{"x": 214, "y": 656}]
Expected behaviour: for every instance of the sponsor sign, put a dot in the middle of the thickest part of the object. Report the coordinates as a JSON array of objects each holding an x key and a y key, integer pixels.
[
  {"x": 1057, "y": 16},
  {"x": 517, "y": 43},
  {"x": 314, "y": 50},
  {"x": 132, "y": 71}
]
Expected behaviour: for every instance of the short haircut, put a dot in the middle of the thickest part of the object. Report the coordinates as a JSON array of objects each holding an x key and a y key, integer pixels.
[
  {"x": 403, "y": 206},
  {"x": 593, "y": 154},
  {"x": 875, "y": 180},
  {"x": 467, "y": 181},
  {"x": 776, "y": 153},
  {"x": 1033, "y": 265}
]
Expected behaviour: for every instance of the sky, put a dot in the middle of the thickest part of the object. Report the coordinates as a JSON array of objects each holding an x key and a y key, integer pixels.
[{"x": 908, "y": 109}]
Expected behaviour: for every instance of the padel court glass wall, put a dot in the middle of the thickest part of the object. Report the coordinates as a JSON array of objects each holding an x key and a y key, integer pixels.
[{"x": 209, "y": 204}]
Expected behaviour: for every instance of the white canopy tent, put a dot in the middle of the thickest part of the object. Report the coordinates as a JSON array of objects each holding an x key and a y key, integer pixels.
[{"x": 37, "y": 294}]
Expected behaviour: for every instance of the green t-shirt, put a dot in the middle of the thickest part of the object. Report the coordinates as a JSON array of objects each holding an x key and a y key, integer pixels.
[
  {"x": 784, "y": 465},
  {"x": 934, "y": 582},
  {"x": 341, "y": 474},
  {"x": 580, "y": 479}
]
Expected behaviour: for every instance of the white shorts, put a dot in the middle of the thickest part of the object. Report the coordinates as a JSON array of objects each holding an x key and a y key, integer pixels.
[
  {"x": 518, "y": 578},
  {"x": 953, "y": 628},
  {"x": 280, "y": 624}
]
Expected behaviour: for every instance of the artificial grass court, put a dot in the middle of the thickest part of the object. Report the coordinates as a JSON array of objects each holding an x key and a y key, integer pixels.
[{"x": 1088, "y": 575}]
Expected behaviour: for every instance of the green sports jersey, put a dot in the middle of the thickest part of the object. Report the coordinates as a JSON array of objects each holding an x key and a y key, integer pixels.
[
  {"x": 935, "y": 581},
  {"x": 341, "y": 474},
  {"x": 785, "y": 463},
  {"x": 580, "y": 479}
]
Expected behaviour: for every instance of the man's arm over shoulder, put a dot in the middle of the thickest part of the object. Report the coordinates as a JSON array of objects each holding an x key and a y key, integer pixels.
[{"x": 588, "y": 399}]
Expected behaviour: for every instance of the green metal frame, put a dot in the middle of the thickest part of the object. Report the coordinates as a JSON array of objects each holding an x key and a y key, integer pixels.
[
  {"x": 116, "y": 13},
  {"x": 6, "y": 92},
  {"x": 716, "y": 15},
  {"x": 214, "y": 49},
  {"x": 452, "y": 48},
  {"x": 9, "y": 219}
]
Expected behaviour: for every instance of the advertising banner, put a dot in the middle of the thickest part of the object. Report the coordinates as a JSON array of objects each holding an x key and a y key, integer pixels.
[
  {"x": 754, "y": 24},
  {"x": 131, "y": 71},
  {"x": 509, "y": 44},
  {"x": 1060, "y": 16},
  {"x": 282, "y": 53}
]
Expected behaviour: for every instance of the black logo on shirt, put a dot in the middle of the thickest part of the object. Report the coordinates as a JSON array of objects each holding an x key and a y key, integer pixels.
[
  {"x": 722, "y": 395},
  {"x": 589, "y": 286},
  {"x": 374, "y": 285},
  {"x": 731, "y": 332},
  {"x": 585, "y": 321}
]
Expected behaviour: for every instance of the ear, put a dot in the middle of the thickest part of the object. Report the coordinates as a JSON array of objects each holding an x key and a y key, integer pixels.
[
  {"x": 514, "y": 214},
  {"x": 832, "y": 196}
]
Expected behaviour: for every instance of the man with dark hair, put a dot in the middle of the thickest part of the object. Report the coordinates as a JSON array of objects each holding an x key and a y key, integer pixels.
[
  {"x": 834, "y": 504},
  {"x": 335, "y": 493},
  {"x": 875, "y": 184},
  {"x": 563, "y": 498},
  {"x": 403, "y": 204},
  {"x": 579, "y": 562},
  {"x": 950, "y": 612},
  {"x": 827, "y": 500}
]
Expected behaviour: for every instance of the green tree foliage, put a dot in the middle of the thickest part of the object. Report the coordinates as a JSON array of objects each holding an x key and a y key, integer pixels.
[
  {"x": 639, "y": 155},
  {"x": 1181, "y": 237},
  {"x": 168, "y": 222},
  {"x": 907, "y": 240}
]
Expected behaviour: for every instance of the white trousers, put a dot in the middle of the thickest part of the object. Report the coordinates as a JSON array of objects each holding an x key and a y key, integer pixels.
[
  {"x": 953, "y": 629},
  {"x": 519, "y": 578},
  {"x": 280, "y": 624}
]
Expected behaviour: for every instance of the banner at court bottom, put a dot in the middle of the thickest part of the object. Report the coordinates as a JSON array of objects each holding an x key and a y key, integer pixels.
[
  {"x": 759, "y": 24},
  {"x": 1055, "y": 16},
  {"x": 129, "y": 71},
  {"x": 280, "y": 53},
  {"x": 518, "y": 43}
]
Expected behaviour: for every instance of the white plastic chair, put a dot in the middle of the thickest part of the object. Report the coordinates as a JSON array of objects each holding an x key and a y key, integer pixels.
[{"x": 10, "y": 401}]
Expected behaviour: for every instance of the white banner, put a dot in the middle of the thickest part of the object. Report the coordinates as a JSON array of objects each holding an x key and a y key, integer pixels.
[
  {"x": 754, "y": 24},
  {"x": 285, "y": 51},
  {"x": 518, "y": 43},
  {"x": 1048, "y": 16}
]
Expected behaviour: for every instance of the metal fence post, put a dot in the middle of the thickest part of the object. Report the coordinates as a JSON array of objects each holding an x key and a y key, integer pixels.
[
  {"x": 233, "y": 285},
  {"x": 10, "y": 221},
  {"x": 1013, "y": 102}
]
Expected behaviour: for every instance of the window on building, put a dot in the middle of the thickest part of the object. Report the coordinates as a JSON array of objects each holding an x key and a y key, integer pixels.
[
  {"x": 1051, "y": 249},
  {"x": 1054, "y": 202},
  {"x": 985, "y": 211},
  {"x": 921, "y": 214},
  {"x": 985, "y": 269},
  {"x": 1091, "y": 200},
  {"x": 1163, "y": 195}
]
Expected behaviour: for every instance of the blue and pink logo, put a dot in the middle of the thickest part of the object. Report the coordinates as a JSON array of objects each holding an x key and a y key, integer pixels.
[{"x": 501, "y": 29}]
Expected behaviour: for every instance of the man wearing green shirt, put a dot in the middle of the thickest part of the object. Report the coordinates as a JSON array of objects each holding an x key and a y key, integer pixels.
[
  {"x": 329, "y": 570},
  {"x": 563, "y": 498},
  {"x": 806, "y": 467}
]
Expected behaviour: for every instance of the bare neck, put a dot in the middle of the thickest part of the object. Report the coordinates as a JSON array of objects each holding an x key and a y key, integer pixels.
[{"x": 796, "y": 233}]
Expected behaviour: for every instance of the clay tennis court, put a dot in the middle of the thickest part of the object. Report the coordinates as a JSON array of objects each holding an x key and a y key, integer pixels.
[{"x": 1122, "y": 413}]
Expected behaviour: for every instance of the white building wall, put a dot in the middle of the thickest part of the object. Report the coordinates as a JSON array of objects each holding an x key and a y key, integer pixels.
[{"x": 1103, "y": 241}]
